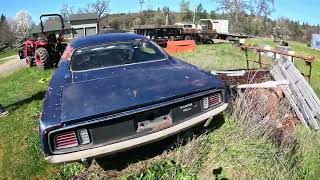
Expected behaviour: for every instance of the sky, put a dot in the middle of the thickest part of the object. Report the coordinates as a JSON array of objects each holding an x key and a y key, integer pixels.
[{"x": 302, "y": 10}]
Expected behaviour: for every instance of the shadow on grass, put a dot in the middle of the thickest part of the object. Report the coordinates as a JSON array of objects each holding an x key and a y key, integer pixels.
[
  {"x": 122, "y": 160},
  {"x": 217, "y": 174},
  {"x": 18, "y": 104}
]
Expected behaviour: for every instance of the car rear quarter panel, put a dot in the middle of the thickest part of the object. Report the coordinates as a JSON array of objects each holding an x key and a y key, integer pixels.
[{"x": 50, "y": 116}]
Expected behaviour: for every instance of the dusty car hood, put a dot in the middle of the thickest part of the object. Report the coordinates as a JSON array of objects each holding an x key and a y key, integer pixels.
[{"x": 131, "y": 89}]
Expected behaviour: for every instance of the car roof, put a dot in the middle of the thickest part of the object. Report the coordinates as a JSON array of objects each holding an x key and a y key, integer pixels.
[{"x": 104, "y": 39}]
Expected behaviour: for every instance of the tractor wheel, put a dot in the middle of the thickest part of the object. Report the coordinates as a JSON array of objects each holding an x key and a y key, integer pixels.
[
  {"x": 42, "y": 58},
  {"x": 29, "y": 61}
]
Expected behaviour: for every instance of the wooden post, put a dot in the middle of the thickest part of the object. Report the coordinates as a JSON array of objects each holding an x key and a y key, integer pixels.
[
  {"x": 260, "y": 58},
  {"x": 310, "y": 71},
  {"x": 246, "y": 51}
]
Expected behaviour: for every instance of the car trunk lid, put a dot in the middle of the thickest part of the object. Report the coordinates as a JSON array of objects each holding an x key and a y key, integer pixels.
[{"x": 131, "y": 89}]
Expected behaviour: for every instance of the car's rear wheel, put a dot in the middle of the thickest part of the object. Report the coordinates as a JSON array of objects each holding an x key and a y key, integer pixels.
[{"x": 42, "y": 58}]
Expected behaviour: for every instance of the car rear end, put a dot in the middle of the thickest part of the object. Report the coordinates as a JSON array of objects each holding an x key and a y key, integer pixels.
[
  {"x": 128, "y": 129},
  {"x": 105, "y": 109}
]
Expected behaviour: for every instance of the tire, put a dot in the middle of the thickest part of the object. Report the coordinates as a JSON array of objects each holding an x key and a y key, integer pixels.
[
  {"x": 20, "y": 54},
  {"x": 209, "y": 42},
  {"x": 188, "y": 37},
  {"x": 228, "y": 38},
  {"x": 42, "y": 58},
  {"x": 29, "y": 61}
]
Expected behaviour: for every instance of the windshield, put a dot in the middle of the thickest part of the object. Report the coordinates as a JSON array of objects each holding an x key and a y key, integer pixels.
[{"x": 115, "y": 54}]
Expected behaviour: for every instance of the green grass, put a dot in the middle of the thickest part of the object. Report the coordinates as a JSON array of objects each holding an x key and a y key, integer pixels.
[
  {"x": 20, "y": 154},
  {"x": 226, "y": 151},
  {"x": 8, "y": 53},
  {"x": 215, "y": 57},
  {"x": 238, "y": 156}
]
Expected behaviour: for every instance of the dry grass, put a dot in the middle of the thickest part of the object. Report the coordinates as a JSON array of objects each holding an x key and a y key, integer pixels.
[{"x": 186, "y": 153}]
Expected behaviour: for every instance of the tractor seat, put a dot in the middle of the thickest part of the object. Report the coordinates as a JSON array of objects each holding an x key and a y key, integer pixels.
[{"x": 52, "y": 39}]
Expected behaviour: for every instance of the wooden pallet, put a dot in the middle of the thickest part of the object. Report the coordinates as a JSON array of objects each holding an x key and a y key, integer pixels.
[{"x": 301, "y": 96}]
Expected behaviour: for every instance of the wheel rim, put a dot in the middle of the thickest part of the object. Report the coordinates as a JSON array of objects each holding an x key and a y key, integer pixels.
[{"x": 38, "y": 59}]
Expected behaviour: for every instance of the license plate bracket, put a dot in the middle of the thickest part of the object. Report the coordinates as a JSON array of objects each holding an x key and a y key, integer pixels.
[{"x": 155, "y": 124}]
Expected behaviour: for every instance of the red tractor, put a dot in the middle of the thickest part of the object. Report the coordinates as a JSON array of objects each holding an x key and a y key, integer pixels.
[{"x": 44, "y": 53}]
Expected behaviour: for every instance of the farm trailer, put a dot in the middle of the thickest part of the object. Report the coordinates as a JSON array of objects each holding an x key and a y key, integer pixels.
[{"x": 208, "y": 31}]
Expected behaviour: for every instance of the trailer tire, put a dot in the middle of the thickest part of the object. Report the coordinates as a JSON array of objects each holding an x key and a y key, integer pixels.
[
  {"x": 209, "y": 42},
  {"x": 42, "y": 58},
  {"x": 229, "y": 38},
  {"x": 188, "y": 37}
]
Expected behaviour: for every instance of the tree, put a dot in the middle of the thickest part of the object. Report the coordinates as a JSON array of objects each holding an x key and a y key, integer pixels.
[
  {"x": 66, "y": 11},
  {"x": 201, "y": 13},
  {"x": 141, "y": 2},
  {"x": 101, "y": 7},
  {"x": 21, "y": 25},
  {"x": 6, "y": 36},
  {"x": 264, "y": 8},
  {"x": 213, "y": 14},
  {"x": 236, "y": 9},
  {"x": 185, "y": 11},
  {"x": 166, "y": 9}
]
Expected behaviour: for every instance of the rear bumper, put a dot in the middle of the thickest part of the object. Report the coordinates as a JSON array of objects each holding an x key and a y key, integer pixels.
[{"x": 128, "y": 144}]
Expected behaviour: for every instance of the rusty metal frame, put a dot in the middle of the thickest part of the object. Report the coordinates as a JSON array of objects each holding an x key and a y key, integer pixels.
[{"x": 309, "y": 60}]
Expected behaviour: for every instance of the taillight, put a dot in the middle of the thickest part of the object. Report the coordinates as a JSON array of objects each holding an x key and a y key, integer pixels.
[
  {"x": 214, "y": 99},
  {"x": 211, "y": 101},
  {"x": 66, "y": 140}
]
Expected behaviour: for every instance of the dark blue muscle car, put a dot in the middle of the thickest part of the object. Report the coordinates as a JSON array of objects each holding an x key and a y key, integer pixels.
[{"x": 113, "y": 92}]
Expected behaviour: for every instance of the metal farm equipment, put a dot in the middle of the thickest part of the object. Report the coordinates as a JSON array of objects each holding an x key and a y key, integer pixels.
[{"x": 44, "y": 53}]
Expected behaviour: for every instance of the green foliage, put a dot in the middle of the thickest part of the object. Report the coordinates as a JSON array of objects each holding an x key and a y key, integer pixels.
[
  {"x": 306, "y": 160},
  {"x": 185, "y": 11},
  {"x": 201, "y": 13},
  {"x": 6, "y": 36},
  {"x": 162, "y": 170},
  {"x": 69, "y": 170}
]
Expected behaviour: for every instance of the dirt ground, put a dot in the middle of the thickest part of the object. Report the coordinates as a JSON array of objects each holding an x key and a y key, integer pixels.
[{"x": 12, "y": 64}]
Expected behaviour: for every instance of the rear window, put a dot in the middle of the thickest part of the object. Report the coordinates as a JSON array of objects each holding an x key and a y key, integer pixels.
[{"x": 115, "y": 54}]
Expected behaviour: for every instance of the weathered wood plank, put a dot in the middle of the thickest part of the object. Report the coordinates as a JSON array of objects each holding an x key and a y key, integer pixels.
[
  {"x": 286, "y": 90},
  {"x": 301, "y": 96}
]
